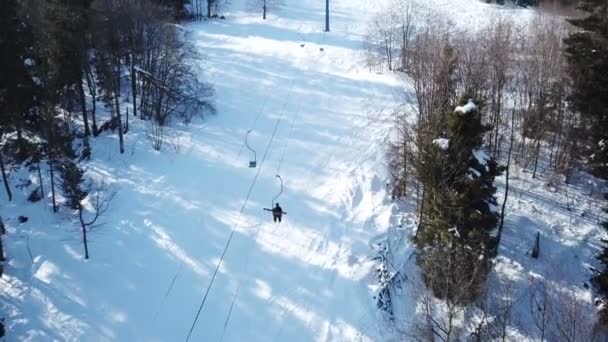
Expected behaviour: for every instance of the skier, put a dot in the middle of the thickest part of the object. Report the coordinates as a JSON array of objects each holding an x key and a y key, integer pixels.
[{"x": 277, "y": 212}]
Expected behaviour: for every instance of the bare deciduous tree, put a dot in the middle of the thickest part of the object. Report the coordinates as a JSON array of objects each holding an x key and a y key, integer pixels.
[
  {"x": 500, "y": 53},
  {"x": 265, "y": 5},
  {"x": 572, "y": 320},
  {"x": 541, "y": 306},
  {"x": 96, "y": 204},
  {"x": 454, "y": 277}
]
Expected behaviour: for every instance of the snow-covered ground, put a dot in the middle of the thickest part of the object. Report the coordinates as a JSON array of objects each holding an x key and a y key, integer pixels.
[
  {"x": 320, "y": 120},
  {"x": 316, "y": 119}
]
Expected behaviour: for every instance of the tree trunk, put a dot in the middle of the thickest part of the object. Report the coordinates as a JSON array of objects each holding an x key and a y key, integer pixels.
[
  {"x": 83, "y": 105},
  {"x": 2, "y": 232},
  {"x": 404, "y": 167},
  {"x": 84, "y": 232},
  {"x": 116, "y": 96},
  {"x": 51, "y": 162},
  {"x": 420, "y": 219},
  {"x": 40, "y": 179},
  {"x": 5, "y": 178},
  {"x": 326, "y": 15},
  {"x": 536, "y": 158},
  {"x": 1, "y": 253},
  {"x": 504, "y": 202},
  {"x": 120, "y": 128},
  {"x": 142, "y": 99},
  {"x": 209, "y": 2},
  {"x": 133, "y": 88},
  {"x": 93, "y": 92},
  {"x": 93, "y": 116},
  {"x": 20, "y": 140},
  {"x": 264, "y": 10}
]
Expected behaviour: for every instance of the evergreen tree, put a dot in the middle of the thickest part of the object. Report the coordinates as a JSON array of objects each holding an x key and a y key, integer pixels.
[
  {"x": 65, "y": 27},
  {"x": 61, "y": 156},
  {"x": 601, "y": 277},
  {"x": 72, "y": 180},
  {"x": 460, "y": 215},
  {"x": 57, "y": 148},
  {"x": 587, "y": 55},
  {"x": 19, "y": 88}
]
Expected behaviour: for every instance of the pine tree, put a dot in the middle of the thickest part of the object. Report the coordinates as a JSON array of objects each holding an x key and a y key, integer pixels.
[
  {"x": 460, "y": 215},
  {"x": 72, "y": 179},
  {"x": 109, "y": 57},
  {"x": 58, "y": 150},
  {"x": 587, "y": 55},
  {"x": 19, "y": 88},
  {"x": 65, "y": 28},
  {"x": 601, "y": 277}
]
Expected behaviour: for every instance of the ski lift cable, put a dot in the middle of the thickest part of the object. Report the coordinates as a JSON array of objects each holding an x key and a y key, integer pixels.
[
  {"x": 255, "y": 120},
  {"x": 238, "y": 287},
  {"x": 235, "y": 297},
  {"x": 237, "y": 291},
  {"x": 245, "y": 144},
  {"x": 179, "y": 269},
  {"x": 293, "y": 289},
  {"x": 236, "y": 224},
  {"x": 294, "y": 119}
]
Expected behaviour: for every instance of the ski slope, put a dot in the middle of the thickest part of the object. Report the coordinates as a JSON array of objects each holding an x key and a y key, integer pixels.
[
  {"x": 316, "y": 119},
  {"x": 320, "y": 120}
]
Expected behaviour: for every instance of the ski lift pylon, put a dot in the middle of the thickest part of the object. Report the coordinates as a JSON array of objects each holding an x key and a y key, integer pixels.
[{"x": 254, "y": 162}]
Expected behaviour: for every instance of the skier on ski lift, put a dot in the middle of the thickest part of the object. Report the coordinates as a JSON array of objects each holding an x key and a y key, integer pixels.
[{"x": 277, "y": 212}]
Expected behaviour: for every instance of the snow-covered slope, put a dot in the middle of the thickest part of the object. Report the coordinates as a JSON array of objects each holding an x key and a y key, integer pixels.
[{"x": 318, "y": 119}]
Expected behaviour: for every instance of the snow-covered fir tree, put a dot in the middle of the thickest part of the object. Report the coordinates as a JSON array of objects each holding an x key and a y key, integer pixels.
[{"x": 459, "y": 216}]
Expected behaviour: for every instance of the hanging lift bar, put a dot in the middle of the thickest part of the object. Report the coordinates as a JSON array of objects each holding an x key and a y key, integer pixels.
[
  {"x": 254, "y": 162},
  {"x": 277, "y": 196},
  {"x": 280, "y": 192}
]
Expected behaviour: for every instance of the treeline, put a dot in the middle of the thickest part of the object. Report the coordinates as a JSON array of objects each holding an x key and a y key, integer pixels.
[
  {"x": 530, "y": 93},
  {"x": 526, "y": 3},
  {"x": 74, "y": 69}
]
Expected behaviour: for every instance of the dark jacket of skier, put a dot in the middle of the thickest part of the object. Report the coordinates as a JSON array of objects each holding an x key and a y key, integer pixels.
[{"x": 277, "y": 213}]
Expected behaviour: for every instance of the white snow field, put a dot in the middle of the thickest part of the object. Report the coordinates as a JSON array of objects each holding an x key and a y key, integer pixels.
[{"x": 320, "y": 120}]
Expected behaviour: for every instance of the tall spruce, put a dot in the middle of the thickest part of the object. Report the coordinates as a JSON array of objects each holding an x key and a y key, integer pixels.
[
  {"x": 587, "y": 55},
  {"x": 460, "y": 215},
  {"x": 19, "y": 87},
  {"x": 72, "y": 176},
  {"x": 601, "y": 277},
  {"x": 65, "y": 25}
]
